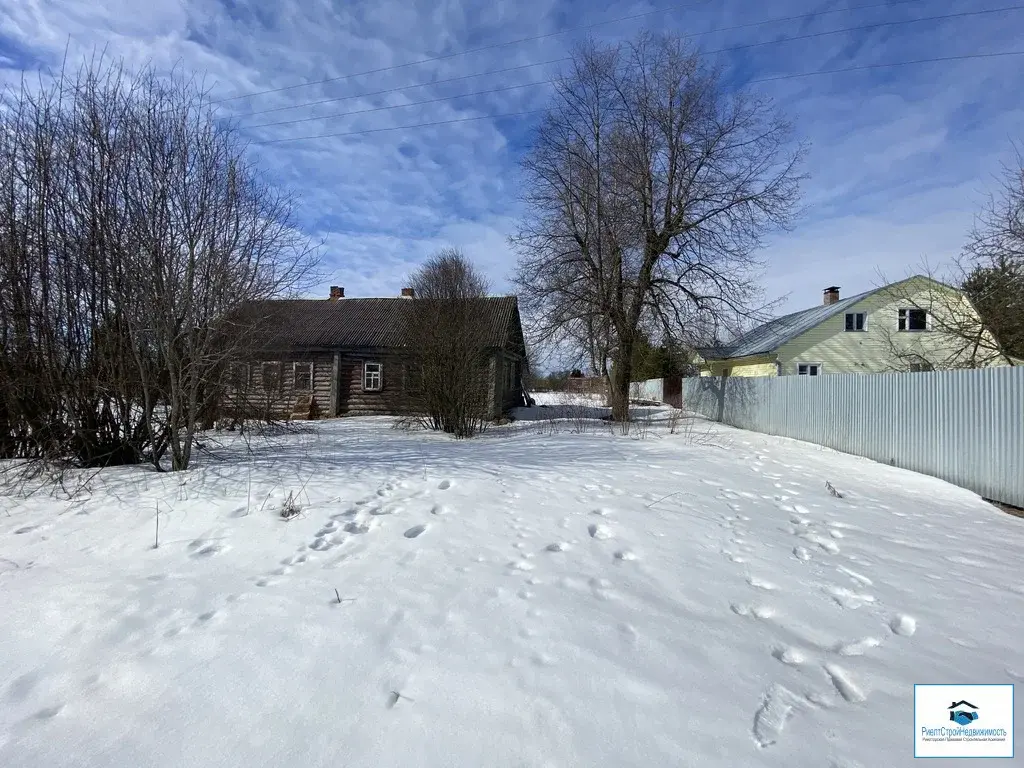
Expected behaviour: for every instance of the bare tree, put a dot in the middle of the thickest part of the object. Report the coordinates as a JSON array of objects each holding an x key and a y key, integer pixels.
[
  {"x": 650, "y": 190},
  {"x": 132, "y": 223},
  {"x": 993, "y": 275},
  {"x": 954, "y": 335},
  {"x": 447, "y": 335}
]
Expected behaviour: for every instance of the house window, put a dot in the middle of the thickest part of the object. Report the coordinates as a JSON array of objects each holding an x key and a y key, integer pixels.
[
  {"x": 372, "y": 376},
  {"x": 241, "y": 376},
  {"x": 412, "y": 375},
  {"x": 913, "y": 320},
  {"x": 855, "y": 321},
  {"x": 270, "y": 373},
  {"x": 809, "y": 369},
  {"x": 303, "y": 376}
]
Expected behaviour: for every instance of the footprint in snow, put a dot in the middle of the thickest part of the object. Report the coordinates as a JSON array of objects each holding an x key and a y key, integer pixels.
[
  {"x": 444, "y": 485},
  {"x": 794, "y": 657},
  {"x": 357, "y": 528},
  {"x": 843, "y": 683},
  {"x": 599, "y": 531},
  {"x": 770, "y": 720},
  {"x": 903, "y": 625},
  {"x": 757, "y": 611},
  {"x": 847, "y": 598},
  {"x": 415, "y": 531},
  {"x": 625, "y": 554},
  {"x": 801, "y": 554},
  {"x": 857, "y": 648},
  {"x": 558, "y": 546},
  {"x": 757, "y": 583}
]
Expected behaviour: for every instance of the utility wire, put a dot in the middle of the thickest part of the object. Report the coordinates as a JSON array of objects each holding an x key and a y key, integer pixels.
[
  {"x": 492, "y": 46},
  {"x": 758, "y": 80},
  {"x": 809, "y": 36}
]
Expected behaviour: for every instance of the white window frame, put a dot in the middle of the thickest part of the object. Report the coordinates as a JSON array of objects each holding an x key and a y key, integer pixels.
[
  {"x": 373, "y": 376},
  {"x": 263, "y": 375},
  {"x": 855, "y": 315},
  {"x": 820, "y": 369},
  {"x": 295, "y": 376},
  {"x": 903, "y": 314}
]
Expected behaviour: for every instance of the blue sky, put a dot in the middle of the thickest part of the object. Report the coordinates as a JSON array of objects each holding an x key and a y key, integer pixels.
[{"x": 900, "y": 158}]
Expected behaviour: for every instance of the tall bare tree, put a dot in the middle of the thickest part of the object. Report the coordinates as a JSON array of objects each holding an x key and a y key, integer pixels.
[
  {"x": 447, "y": 335},
  {"x": 132, "y": 223},
  {"x": 650, "y": 188},
  {"x": 994, "y": 273}
]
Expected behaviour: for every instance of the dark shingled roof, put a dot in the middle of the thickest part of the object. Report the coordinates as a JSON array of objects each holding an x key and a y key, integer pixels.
[{"x": 348, "y": 323}]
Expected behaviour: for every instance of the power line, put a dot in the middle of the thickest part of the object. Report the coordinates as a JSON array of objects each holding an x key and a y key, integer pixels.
[
  {"x": 405, "y": 87},
  {"x": 758, "y": 80},
  {"x": 399, "y": 106},
  {"x": 809, "y": 36},
  {"x": 466, "y": 52},
  {"x": 403, "y": 127},
  {"x": 492, "y": 46},
  {"x": 892, "y": 64}
]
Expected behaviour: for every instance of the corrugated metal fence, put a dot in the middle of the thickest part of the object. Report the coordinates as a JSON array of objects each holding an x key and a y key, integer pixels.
[
  {"x": 966, "y": 427},
  {"x": 652, "y": 390}
]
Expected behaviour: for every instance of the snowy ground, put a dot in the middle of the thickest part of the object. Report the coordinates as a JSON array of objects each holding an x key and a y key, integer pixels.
[{"x": 535, "y": 597}]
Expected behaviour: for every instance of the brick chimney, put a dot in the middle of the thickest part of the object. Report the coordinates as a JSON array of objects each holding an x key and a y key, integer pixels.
[
  {"x": 337, "y": 292},
  {"x": 408, "y": 293},
  {"x": 831, "y": 295}
]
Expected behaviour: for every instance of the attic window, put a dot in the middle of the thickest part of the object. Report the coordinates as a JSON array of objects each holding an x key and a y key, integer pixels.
[
  {"x": 809, "y": 369},
  {"x": 913, "y": 320},
  {"x": 372, "y": 376},
  {"x": 855, "y": 321}
]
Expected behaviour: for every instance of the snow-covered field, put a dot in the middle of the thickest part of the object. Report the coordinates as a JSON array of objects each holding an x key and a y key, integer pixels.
[{"x": 523, "y": 599}]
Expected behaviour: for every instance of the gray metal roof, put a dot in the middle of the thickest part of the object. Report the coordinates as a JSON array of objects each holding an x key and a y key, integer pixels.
[
  {"x": 355, "y": 323},
  {"x": 773, "y": 334}
]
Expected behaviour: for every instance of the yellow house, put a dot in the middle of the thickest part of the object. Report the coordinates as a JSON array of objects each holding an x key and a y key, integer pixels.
[{"x": 917, "y": 324}]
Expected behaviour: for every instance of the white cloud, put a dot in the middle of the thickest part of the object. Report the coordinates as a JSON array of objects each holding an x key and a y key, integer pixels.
[{"x": 899, "y": 160}]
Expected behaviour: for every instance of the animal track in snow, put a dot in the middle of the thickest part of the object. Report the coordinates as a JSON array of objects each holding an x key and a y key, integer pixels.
[
  {"x": 599, "y": 531},
  {"x": 203, "y": 548},
  {"x": 415, "y": 531},
  {"x": 757, "y": 583},
  {"x": 444, "y": 485},
  {"x": 801, "y": 554},
  {"x": 847, "y": 598},
  {"x": 440, "y": 509},
  {"x": 625, "y": 554},
  {"x": 558, "y": 546},
  {"x": 857, "y": 648},
  {"x": 903, "y": 625},
  {"x": 844, "y": 684},
  {"x": 775, "y": 710}
]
